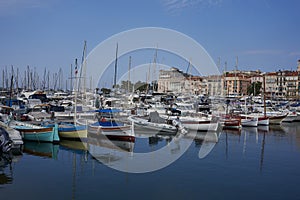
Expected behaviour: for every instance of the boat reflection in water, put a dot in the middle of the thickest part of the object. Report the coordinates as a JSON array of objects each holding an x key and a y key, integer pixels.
[
  {"x": 162, "y": 150},
  {"x": 6, "y": 167},
  {"x": 41, "y": 149},
  {"x": 205, "y": 141},
  {"x": 108, "y": 150},
  {"x": 75, "y": 145}
]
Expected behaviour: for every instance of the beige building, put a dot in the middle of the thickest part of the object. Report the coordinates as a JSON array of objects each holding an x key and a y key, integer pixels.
[
  {"x": 172, "y": 80},
  {"x": 271, "y": 84},
  {"x": 176, "y": 81},
  {"x": 282, "y": 84},
  {"x": 214, "y": 85},
  {"x": 236, "y": 83}
]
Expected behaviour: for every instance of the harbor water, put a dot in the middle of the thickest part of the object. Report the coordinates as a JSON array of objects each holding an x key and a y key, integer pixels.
[{"x": 251, "y": 163}]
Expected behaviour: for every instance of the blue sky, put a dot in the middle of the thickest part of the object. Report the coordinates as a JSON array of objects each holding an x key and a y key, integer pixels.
[{"x": 264, "y": 34}]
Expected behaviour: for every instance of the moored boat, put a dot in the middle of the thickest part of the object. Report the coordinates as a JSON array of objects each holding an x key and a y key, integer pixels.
[
  {"x": 148, "y": 125},
  {"x": 253, "y": 122},
  {"x": 198, "y": 124},
  {"x": 292, "y": 116},
  {"x": 36, "y": 133},
  {"x": 276, "y": 119},
  {"x": 108, "y": 126},
  {"x": 71, "y": 131},
  {"x": 263, "y": 120},
  {"x": 231, "y": 123}
]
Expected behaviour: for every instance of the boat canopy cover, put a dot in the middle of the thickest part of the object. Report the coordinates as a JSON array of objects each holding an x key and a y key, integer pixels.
[{"x": 155, "y": 118}]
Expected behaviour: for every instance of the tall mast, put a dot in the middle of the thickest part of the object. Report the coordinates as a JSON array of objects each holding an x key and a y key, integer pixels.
[
  {"x": 44, "y": 81},
  {"x": 264, "y": 84},
  {"x": 116, "y": 64},
  {"x": 82, "y": 69},
  {"x": 75, "y": 95},
  {"x": 28, "y": 79},
  {"x": 17, "y": 80},
  {"x": 3, "y": 80},
  {"x": 129, "y": 66},
  {"x": 148, "y": 79},
  {"x": 11, "y": 84},
  {"x": 48, "y": 77},
  {"x": 154, "y": 67},
  {"x": 71, "y": 79},
  {"x": 6, "y": 77}
]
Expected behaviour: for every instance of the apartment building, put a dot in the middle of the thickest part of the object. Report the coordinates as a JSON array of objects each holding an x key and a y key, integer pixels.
[
  {"x": 279, "y": 84},
  {"x": 236, "y": 83},
  {"x": 214, "y": 85}
]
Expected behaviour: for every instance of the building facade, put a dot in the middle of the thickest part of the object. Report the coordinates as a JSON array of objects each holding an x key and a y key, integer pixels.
[
  {"x": 236, "y": 83},
  {"x": 214, "y": 85},
  {"x": 176, "y": 81},
  {"x": 279, "y": 84}
]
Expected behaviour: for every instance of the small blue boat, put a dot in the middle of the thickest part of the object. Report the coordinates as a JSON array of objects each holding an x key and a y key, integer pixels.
[{"x": 36, "y": 133}]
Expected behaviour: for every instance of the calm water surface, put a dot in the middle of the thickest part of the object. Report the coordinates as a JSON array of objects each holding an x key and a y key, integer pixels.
[{"x": 254, "y": 163}]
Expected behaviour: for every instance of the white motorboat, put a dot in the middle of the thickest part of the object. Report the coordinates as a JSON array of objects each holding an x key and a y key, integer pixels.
[
  {"x": 276, "y": 119},
  {"x": 292, "y": 116},
  {"x": 156, "y": 124},
  {"x": 262, "y": 120},
  {"x": 252, "y": 122},
  {"x": 199, "y": 124}
]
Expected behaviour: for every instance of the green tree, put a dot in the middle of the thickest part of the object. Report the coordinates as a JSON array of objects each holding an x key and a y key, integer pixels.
[
  {"x": 141, "y": 86},
  {"x": 105, "y": 90},
  {"x": 254, "y": 88},
  {"x": 124, "y": 85}
]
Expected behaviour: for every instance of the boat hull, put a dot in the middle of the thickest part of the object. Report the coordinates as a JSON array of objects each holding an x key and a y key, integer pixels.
[
  {"x": 201, "y": 125},
  {"x": 253, "y": 122},
  {"x": 276, "y": 119},
  {"x": 231, "y": 124},
  {"x": 144, "y": 124},
  {"x": 72, "y": 132},
  {"x": 40, "y": 135},
  {"x": 122, "y": 133},
  {"x": 37, "y": 133},
  {"x": 263, "y": 121},
  {"x": 290, "y": 118}
]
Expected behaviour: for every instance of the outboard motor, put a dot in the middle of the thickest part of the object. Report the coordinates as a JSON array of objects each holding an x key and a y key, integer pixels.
[{"x": 5, "y": 142}]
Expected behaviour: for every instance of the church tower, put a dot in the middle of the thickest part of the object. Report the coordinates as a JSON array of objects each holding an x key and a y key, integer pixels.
[{"x": 298, "y": 68}]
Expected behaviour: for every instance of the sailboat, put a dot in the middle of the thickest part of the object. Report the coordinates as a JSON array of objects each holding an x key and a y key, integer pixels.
[{"x": 74, "y": 131}]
